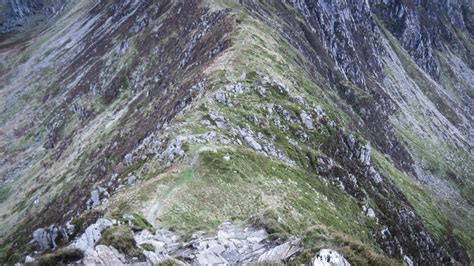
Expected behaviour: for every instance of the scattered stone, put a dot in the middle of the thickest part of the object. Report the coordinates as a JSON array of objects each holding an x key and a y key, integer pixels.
[{"x": 226, "y": 158}]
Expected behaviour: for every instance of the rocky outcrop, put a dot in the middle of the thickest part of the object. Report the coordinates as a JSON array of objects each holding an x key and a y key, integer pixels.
[
  {"x": 87, "y": 244},
  {"x": 52, "y": 236},
  {"x": 231, "y": 245}
]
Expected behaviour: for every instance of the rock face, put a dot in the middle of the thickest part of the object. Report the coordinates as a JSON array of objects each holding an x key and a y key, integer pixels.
[{"x": 344, "y": 124}]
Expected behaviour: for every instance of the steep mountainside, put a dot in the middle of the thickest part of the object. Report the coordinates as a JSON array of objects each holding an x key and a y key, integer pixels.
[{"x": 228, "y": 131}]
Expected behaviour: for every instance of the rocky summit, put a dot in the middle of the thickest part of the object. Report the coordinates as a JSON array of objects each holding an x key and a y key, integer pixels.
[{"x": 319, "y": 132}]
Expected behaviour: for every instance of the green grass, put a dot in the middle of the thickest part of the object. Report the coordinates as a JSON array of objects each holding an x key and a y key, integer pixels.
[
  {"x": 148, "y": 247},
  {"x": 287, "y": 201},
  {"x": 140, "y": 223}
]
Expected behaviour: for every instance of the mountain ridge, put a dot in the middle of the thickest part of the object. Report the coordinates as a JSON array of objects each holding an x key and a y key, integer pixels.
[{"x": 121, "y": 107}]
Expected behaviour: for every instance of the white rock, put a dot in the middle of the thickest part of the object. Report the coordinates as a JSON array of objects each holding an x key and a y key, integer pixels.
[
  {"x": 407, "y": 260},
  {"x": 29, "y": 259},
  {"x": 328, "y": 257},
  {"x": 370, "y": 213}
]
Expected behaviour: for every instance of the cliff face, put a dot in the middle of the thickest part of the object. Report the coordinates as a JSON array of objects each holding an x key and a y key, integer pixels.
[{"x": 314, "y": 124}]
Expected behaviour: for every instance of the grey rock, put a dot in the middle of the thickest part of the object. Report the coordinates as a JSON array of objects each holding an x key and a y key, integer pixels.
[
  {"x": 45, "y": 238},
  {"x": 252, "y": 143},
  {"x": 307, "y": 120},
  {"x": 209, "y": 258},
  {"x": 92, "y": 234},
  {"x": 132, "y": 180},
  {"x": 282, "y": 252}
]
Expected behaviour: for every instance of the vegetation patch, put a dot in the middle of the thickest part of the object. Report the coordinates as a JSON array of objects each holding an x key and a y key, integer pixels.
[
  {"x": 140, "y": 223},
  {"x": 121, "y": 238},
  {"x": 148, "y": 247},
  {"x": 60, "y": 257}
]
